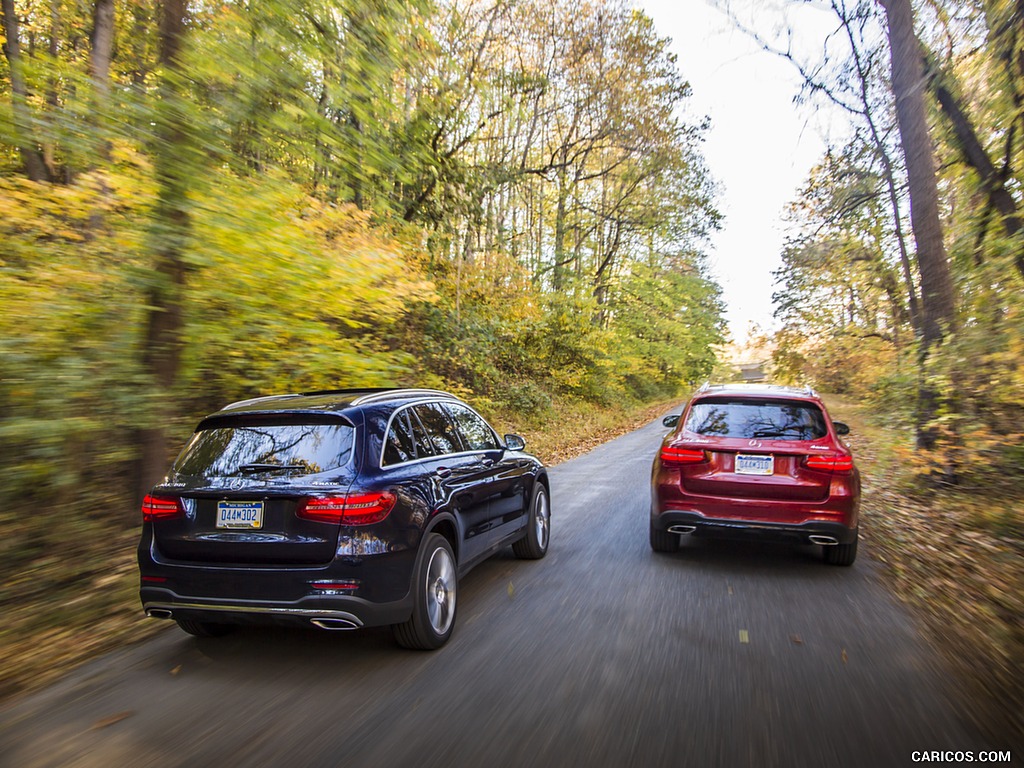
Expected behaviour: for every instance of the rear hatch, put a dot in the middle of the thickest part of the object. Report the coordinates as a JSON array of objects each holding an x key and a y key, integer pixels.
[
  {"x": 762, "y": 449},
  {"x": 240, "y": 482}
]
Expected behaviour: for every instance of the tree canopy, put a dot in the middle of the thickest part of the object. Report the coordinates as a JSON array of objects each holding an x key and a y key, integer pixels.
[
  {"x": 861, "y": 294},
  {"x": 204, "y": 202}
]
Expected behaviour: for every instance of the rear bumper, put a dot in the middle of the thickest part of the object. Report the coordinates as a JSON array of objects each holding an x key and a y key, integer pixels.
[
  {"x": 373, "y": 590},
  {"x": 798, "y": 532},
  {"x": 324, "y": 611}
]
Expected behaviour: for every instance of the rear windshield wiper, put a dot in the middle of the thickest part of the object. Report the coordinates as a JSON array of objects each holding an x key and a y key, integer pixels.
[
  {"x": 778, "y": 432},
  {"x": 268, "y": 467}
]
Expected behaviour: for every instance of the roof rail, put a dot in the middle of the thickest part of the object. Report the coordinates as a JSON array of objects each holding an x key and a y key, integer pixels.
[
  {"x": 388, "y": 394},
  {"x": 349, "y": 391},
  {"x": 705, "y": 386},
  {"x": 251, "y": 400},
  {"x": 362, "y": 395}
]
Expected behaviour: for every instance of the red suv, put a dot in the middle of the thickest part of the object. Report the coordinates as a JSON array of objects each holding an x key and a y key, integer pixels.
[{"x": 760, "y": 460}]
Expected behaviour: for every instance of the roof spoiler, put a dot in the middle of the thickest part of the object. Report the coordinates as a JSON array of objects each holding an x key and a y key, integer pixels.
[{"x": 238, "y": 418}]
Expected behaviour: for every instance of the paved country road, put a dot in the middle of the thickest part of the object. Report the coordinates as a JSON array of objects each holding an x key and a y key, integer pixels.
[{"x": 603, "y": 654}]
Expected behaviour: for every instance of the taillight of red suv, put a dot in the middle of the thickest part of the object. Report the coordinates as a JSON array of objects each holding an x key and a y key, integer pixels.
[
  {"x": 829, "y": 462},
  {"x": 673, "y": 454}
]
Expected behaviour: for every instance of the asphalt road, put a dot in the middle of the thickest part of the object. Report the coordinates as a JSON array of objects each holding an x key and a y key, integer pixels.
[{"x": 602, "y": 654}]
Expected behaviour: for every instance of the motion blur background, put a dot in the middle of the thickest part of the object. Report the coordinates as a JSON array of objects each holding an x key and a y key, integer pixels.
[{"x": 508, "y": 199}]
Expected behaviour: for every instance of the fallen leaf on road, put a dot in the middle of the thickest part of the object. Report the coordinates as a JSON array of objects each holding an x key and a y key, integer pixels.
[
  {"x": 744, "y": 636},
  {"x": 108, "y": 721},
  {"x": 796, "y": 639},
  {"x": 176, "y": 670},
  {"x": 844, "y": 656},
  {"x": 511, "y": 591}
]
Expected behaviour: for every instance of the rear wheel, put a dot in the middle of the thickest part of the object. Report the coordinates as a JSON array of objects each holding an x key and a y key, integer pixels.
[
  {"x": 204, "y": 628},
  {"x": 434, "y": 589},
  {"x": 663, "y": 541},
  {"x": 841, "y": 554},
  {"x": 534, "y": 545}
]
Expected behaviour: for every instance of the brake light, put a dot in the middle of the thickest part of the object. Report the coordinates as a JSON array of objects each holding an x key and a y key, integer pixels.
[
  {"x": 351, "y": 509},
  {"x": 671, "y": 454},
  {"x": 158, "y": 508},
  {"x": 830, "y": 462}
]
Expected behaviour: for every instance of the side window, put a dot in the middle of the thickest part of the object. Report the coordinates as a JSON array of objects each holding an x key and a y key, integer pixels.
[
  {"x": 440, "y": 428},
  {"x": 475, "y": 433},
  {"x": 420, "y": 436},
  {"x": 399, "y": 445}
]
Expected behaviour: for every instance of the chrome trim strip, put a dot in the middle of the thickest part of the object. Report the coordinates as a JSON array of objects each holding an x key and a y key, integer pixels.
[
  {"x": 394, "y": 393},
  {"x": 302, "y": 613}
]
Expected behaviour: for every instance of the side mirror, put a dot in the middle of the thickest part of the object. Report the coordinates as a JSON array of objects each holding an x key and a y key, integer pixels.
[
  {"x": 841, "y": 428},
  {"x": 671, "y": 421},
  {"x": 514, "y": 443}
]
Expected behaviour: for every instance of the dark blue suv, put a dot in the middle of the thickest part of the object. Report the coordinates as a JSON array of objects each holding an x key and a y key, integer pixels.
[{"x": 340, "y": 509}]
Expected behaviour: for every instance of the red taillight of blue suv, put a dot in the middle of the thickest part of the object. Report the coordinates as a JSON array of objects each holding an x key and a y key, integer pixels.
[
  {"x": 161, "y": 508},
  {"x": 351, "y": 509}
]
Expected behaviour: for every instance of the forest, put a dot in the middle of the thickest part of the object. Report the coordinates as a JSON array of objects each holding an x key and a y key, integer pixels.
[
  {"x": 901, "y": 280},
  {"x": 202, "y": 202}
]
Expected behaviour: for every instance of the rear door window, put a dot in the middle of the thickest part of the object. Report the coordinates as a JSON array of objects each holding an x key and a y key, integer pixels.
[
  {"x": 266, "y": 446},
  {"x": 439, "y": 427},
  {"x": 750, "y": 419},
  {"x": 476, "y": 434},
  {"x": 400, "y": 445}
]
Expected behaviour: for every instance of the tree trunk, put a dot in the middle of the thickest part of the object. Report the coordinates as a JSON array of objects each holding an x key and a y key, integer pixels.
[
  {"x": 164, "y": 316},
  {"x": 101, "y": 48},
  {"x": 557, "y": 275},
  {"x": 974, "y": 154},
  {"x": 937, "y": 297},
  {"x": 31, "y": 156}
]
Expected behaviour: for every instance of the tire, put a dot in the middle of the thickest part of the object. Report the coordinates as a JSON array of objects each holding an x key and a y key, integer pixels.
[
  {"x": 435, "y": 583},
  {"x": 663, "y": 541},
  {"x": 534, "y": 544},
  {"x": 204, "y": 628},
  {"x": 841, "y": 554}
]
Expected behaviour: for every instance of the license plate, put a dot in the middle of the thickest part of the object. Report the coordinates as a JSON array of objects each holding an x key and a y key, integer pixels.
[
  {"x": 752, "y": 464},
  {"x": 240, "y": 514}
]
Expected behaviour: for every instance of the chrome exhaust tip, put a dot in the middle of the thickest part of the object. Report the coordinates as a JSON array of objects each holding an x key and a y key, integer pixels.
[
  {"x": 827, "y": 541},
  {"x": 334, "y": 624},
  {"x": 682, "y": 528},
  {"x": 158, "y": 613}
]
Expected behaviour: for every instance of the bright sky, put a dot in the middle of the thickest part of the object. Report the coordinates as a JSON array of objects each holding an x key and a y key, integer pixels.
[{"x": 760, "y": 148}]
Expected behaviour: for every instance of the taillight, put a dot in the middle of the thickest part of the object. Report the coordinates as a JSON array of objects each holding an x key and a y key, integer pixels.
[
  {"x": 351, "y": 509},
  {"x": 158, "y": 508},
  {"x": 830, "y": 462},
  {"x": 671, "y": 454}
]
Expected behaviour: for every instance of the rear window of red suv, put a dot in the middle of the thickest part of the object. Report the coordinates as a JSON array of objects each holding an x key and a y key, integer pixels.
[{"x": 750, "y": 419}]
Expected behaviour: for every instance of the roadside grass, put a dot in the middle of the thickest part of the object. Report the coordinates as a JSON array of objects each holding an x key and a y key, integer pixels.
[
  {"x": 69, "y": 585},
  {"x": 956, "y": 558}
]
